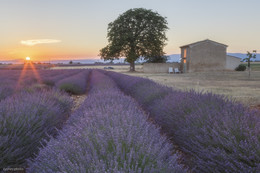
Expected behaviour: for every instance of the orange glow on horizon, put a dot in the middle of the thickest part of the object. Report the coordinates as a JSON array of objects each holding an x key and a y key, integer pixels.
[
  {"x": 21, "y": 75},
  {"x": 35, "y": 72},
  {"x": 26, "y": 70},
  {"x": 47, "y": 52}
]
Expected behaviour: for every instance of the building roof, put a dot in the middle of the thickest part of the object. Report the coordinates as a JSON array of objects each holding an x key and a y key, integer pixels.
[
  {"x": 233, "y": 56},
  {"x": 203, "y": 41}
]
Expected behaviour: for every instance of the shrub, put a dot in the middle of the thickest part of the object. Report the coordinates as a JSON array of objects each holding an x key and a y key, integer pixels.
[
  {"x": 37, "y": 87},
  {"x": 6, "y": 91},
  {"x": 25, "y": 120},
  {"x": 71, "y": 88},
  {"x": 217, "y": 134},
  {"x": 50, "y": 77},
  {"x": 49, "y": 82},
  {"x": 8, "y": 82},
  {"x": 108, "y": 133},
  {"x": 147, "y": 92},
  {"x": 76, "y": 84},
  {"x": 99, "y": 81},
  {"x": 240, "y": 67}
]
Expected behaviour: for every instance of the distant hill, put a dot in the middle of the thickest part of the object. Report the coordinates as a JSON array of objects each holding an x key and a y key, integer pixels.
[
  {"x": 243, "y": 55},
  {"x": 176, "y": 57},
  {"x": 171, "y": 58}
]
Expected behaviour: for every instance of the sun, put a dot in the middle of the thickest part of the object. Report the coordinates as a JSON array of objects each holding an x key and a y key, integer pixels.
[{"x": 28, "y": 58}]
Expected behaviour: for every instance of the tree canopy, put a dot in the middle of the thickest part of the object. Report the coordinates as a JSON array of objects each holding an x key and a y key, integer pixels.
[{"x": 137, "y": 33}]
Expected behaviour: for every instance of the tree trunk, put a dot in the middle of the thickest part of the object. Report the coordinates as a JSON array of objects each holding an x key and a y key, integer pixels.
[
  {"x": 249, "y": 71},
  {"x": 249, "y": 68},
  {"x": 132, "y": 66}
]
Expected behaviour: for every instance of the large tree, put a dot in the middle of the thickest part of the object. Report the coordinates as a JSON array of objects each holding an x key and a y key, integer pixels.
[{"x": 137, "y": 33}]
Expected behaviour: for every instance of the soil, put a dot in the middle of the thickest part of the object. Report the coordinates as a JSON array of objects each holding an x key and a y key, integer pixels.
[{"x": 77, "y": 101}]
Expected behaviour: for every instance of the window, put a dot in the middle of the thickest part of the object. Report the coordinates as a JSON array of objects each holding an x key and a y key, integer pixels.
[{"x": 184, "y": 53}]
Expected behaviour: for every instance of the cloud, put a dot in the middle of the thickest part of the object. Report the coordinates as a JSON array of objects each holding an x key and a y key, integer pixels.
[{"x": 39, "y": 41}]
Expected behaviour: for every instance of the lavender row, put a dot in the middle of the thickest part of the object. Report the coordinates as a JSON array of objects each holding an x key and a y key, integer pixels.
[
  {"x": 18, "y": 78},
  {"x": 15, "y": 81},
  {"x": 25, "y": 120},
  {"x": 50, "y": 77},
  {"x": 76, "y": 84},
  {"x": 5, "y": 91},
  {"x": 8, "y": 82},
  {"x": 217, "y": 134},
  {"x": 108, "y": 133}
]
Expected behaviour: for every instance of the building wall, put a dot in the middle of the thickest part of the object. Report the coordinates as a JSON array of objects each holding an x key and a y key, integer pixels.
[
  {"x": 206, "y": 56},
  {"x": 159, "y": 67},
  {"x": 232, "y": 62}
]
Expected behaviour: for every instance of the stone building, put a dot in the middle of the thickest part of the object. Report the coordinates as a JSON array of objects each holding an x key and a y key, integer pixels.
[
  {"x": 206, "y": 55},
  {"x": 232, "y": 62}
]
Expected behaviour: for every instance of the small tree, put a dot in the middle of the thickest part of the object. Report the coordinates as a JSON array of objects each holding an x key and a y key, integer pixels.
[
  {"x": 248, "y": 59},
  {"x": 136, "y": 33},
  {"x": 70, "y": 62}
]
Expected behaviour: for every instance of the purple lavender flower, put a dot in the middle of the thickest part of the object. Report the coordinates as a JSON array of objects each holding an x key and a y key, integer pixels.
[
  {"x": 25, "y": 120},
  {"x": 108, "y": 133},
  {"x": 76, "y": 84},
  {"x": 218, "y": 134}
]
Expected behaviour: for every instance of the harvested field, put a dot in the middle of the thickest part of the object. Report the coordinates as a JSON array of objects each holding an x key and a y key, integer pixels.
[{"x": 234, "y": 85}]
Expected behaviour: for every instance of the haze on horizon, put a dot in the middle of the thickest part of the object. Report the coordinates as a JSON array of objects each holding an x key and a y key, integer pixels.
[{"x": 65, "y": 29}]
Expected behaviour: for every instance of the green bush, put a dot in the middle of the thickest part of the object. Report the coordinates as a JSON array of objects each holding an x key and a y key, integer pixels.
[
  {"x": 49, "y": 82},
  {"x": 240, "y": 67},
  {"x": 71, "y": 88}
]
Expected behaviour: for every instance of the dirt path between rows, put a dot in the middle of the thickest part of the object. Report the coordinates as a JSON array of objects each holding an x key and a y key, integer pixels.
[{"x": 77, "y": 101}]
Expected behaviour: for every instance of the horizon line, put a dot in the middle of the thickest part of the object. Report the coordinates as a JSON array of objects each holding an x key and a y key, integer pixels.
[{"x": 94, "y": 58}]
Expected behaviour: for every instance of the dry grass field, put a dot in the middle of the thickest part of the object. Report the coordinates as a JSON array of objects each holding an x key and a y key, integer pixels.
[
  {"x": 254, "y": 65},
  {"x": 117, "y": 68},
  {"x": 234, "y": 85}
]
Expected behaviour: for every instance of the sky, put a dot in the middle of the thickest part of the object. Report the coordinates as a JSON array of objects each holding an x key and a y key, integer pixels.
[{"x": 77, "y": 29}]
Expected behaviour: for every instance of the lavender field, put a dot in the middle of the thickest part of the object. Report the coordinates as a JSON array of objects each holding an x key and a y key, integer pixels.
[{"x": 125, "y": 124}]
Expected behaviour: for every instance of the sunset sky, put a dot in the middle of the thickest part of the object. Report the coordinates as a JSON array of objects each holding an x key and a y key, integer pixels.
[{"x": 77, "y": 29}]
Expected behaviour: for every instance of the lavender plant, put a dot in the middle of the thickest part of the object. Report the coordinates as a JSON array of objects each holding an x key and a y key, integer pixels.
[
  {"x": 6, "y": 91},
  {"x": 25, "y": 120},
  {"x": 7, "y": 83},
  {"x": 50, "y": 77},
  {"x": 108, "y": 133},
  {"x": 14, "y": 81},
  {"x": 75, "y": 84},
  {"x": 218, "y": 134}
]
